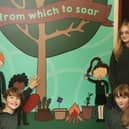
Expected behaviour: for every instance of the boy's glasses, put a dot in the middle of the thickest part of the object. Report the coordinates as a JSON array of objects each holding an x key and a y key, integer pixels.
[{"x": 125, "y": 32}]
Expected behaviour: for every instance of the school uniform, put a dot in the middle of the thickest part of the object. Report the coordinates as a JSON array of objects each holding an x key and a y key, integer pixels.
[
  {"x": 101, "y": 86},
  {"x": 119, "y": 70}
]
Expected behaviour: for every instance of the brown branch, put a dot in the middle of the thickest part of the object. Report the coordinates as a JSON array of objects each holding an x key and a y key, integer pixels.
[
  {"x": 67, "y": 31},
  {"x": 17, "y": 5},
  {"x": 26, "y": 32}
]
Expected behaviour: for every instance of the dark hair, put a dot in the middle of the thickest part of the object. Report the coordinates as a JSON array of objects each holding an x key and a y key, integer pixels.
[
  {"x": 18, "y": 78},
  {"x": 99, "y": 64},
  {"x": 13, "y": 91}
]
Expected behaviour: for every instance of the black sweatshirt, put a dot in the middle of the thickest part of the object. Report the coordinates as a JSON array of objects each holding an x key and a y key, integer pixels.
[
  {"x": 119, "y": 70},
  {"x": 113, "y": 119}
]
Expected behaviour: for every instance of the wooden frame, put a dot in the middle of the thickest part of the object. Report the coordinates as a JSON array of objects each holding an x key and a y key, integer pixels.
[{"x": 116, "y": 18}]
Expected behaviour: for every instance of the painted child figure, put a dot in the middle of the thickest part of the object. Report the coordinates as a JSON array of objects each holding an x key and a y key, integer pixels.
[
  {"x": 99, "y": 71},
  {"x": 20, "y": 81}
]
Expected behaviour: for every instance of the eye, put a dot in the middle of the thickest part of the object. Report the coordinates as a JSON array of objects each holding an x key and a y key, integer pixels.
[
  {"x": 11, "y": 97},
  {"x": 117, "y": 97},
  {"x": 124, "y": 32},
  {"x": 124, "y": 97}
]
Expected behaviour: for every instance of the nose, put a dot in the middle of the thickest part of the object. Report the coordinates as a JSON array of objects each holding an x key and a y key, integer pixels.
[{"x": 120, "y": 100}]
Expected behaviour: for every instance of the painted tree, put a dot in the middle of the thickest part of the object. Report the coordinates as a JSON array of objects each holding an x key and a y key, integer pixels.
[{"x": 47, "y": 39}]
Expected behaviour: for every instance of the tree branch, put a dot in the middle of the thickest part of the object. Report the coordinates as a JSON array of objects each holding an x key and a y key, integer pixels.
[
  {"x": 19, "y": 6},
  {"x": 26, "y": 32},
  {"x": 67, "y": 31}
]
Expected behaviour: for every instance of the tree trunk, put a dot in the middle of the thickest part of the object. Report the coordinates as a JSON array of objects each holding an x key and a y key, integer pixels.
[{"x": 41, "y": 89}]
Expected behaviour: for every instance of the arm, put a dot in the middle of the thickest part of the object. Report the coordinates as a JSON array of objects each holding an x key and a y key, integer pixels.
[
  {"x": 87, "y": 76},
  {"x": 91, "y": 80},
  {"x": 27, "y": 93},
  {"x": 34, "y": 82},
  {"x": 112, "y": 73},
  {"x": 107, "y": 87}
]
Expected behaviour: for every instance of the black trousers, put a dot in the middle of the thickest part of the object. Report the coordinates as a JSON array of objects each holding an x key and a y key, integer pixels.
[{"x": 22, "y": 117}]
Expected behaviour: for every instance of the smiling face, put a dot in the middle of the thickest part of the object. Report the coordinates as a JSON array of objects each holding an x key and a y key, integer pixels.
[
  {"x": 12, "y": 98},
  {"x": 124, "y": 34},
  {"x": 12, "y": 102}
]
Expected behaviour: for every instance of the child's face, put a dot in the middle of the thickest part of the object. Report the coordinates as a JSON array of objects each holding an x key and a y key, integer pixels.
[
  {"x": 122, "y": 102},
  {"x": 124, "y": 34},
  {"x": 12, "y": 102}
]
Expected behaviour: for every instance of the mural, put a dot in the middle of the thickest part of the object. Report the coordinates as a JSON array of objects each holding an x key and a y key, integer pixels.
[
  {"x": 56, "y": 38},
  {"x": 22, "y": 16}
]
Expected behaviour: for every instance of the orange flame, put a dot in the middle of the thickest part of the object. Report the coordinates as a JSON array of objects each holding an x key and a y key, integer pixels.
[
  {"x": 74, "y": 110},
  {"x": 1, "y": 58}
]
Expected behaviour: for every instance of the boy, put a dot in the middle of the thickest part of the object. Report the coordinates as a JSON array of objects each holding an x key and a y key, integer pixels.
[{"x": 8, "y": 116}]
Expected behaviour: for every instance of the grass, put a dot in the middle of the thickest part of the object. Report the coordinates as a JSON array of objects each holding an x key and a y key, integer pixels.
[{"x": 61, "y": 124}]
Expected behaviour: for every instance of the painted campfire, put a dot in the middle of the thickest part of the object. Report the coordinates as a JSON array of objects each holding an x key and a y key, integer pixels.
[{"x": 74, "y": 114}]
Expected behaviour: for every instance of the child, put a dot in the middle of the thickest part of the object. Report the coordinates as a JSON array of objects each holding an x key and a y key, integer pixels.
[
  {"x": 99, "y": 71},
  {"x": 8, "y": 117},
  {"x": 119, "y": 61},
  {"x": 118, "y": 117},
  {"x": 20, "y": 81}
]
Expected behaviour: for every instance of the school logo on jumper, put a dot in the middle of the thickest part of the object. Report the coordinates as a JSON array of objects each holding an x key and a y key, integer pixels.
[{"x": 48, "y": 28}]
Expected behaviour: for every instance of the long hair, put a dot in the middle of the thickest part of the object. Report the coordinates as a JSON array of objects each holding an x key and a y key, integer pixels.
[
  {"x": 118, "y": 46},
  {"x": 123, "y": 90},
  {"x": 99, "y": 64}
]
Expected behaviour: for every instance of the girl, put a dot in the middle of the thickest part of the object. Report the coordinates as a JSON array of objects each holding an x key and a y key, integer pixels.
[
  {"x": 118, "y": 117},
  {"x": 119, "y": 61}
]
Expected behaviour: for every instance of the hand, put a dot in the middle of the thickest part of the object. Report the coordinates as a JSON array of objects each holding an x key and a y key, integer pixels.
[
  {"x": 34, "y": 82},
  {"x": 86, "y": 76}
]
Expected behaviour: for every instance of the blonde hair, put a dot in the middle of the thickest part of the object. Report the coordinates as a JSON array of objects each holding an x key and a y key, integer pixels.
[
  {"x": 123, "y": 90},
  {"x": 118, "y": 47}
]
